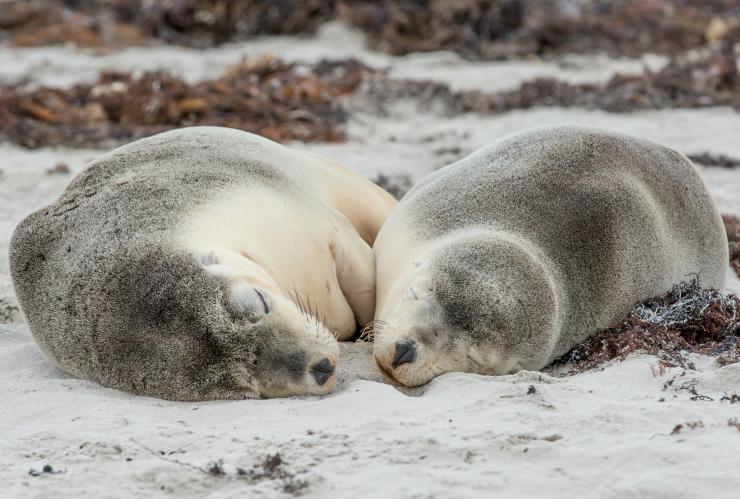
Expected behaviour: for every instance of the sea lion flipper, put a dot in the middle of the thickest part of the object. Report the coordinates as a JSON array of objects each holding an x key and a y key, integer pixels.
[{"x": 355, "y": 267}]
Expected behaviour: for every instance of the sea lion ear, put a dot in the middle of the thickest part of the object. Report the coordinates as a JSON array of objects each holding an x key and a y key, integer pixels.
[
  {"x": 208, "y": 259},
  {"x": 249, "y": 302},
  {"x": 419, "y": 289}
]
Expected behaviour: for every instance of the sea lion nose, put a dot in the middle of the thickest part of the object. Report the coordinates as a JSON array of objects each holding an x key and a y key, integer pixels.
[
  {"x": 405, "y": 352},
  {"x": 322, "y": 371}
]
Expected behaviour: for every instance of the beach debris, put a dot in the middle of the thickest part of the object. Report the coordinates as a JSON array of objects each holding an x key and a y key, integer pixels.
[
  {"x": 730, "y": 398},
  {"x": 690, "y": 386},
  {"x": 275, "y": 99},
  {"x": 284, "y": 101},
  {"x": 691, "y": 425},
  {"x": 46, "y": 470},
  {"x": 60, "y": 168},
  {"x": 272, "y": 468},
  {"x": 498, "y": 29},
  {"x": 216, "y": 468},
  {"x": 476, "y": 29},
  {"x": 9, "y": 310},
  {"x": 397, "y": 185},
  {"x": 703, "y": 79},
  {"x": 164, "y": 456},
  {"x": 531, "y": 390},
  {"x": 708, "y": 159},
  {"x": 117, "y": 23},
  {"x": 687, "y": 319},
  {"x": 658, "y": 369}
]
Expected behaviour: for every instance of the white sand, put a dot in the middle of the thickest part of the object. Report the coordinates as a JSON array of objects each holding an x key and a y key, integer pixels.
[{"x": 599, "y": 434}]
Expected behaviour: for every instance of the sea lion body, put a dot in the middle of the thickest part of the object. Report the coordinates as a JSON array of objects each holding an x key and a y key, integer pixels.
[
  {"x": 511, "y": 256},
  {"x": 201, "y": 263}
]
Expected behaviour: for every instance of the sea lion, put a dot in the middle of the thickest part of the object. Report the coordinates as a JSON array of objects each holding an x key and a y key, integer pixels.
[
  {"x": 511, "y": 256},
  {"x": 202, "y": 263}
]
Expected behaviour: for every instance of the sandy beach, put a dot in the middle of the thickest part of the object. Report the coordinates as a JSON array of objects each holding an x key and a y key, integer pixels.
[{"x": 629, "y": 430}]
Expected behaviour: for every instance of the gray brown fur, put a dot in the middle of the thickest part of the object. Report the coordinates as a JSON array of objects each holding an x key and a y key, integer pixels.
[
  {"x": 108, "y": 298},
  {"x": 607, "y": 220}
]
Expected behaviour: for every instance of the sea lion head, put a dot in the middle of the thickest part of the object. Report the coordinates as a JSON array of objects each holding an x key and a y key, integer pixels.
[
  {"x": 294, "y": 354},
  {"x": 291, "y": 351},
  {"x": 478, "y": 304},
  {"x": 170, "y": 326}
]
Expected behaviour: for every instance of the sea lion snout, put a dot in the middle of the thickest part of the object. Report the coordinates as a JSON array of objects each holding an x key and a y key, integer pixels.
[
  {"x": 402, "y": 357},
  {"x": 322, "y": 371},
  {"x": 405, "y": 353}
]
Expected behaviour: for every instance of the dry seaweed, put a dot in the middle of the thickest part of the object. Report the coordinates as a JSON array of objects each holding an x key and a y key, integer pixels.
[
  {"x": 289, "y": 102},
  {"x": 492, "y": 29},
  {"x": 485, "y": 29},
  {"x": 396, "y": 185},
  {"x": 708, "y": 159},
  {"x": 115, "y": 23},
  {"x": 272, "y": 468},
  {"x": 687, "y": 319},
  {"x": 730, "y": 398},
  {"x": 60, "y": 168},
  {"x": 734, "y": 423},
  {"x": 691, "y": 425},
  {"x": 709, "y": 78},
  {"x": 732, "y": 227},
  {"x": 266, "y": 96}
]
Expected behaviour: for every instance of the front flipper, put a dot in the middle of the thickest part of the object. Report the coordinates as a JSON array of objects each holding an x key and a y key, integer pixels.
[{"x": 355, "y": 267}]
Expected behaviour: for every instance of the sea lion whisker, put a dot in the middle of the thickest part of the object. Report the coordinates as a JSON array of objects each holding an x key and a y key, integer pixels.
[
  {"x": 474, "y": 361},
  {"x": 372, "y": 330}
]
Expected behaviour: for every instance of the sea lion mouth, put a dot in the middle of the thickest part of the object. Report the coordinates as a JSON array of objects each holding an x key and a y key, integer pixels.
[
  {"x": 476, "y": 363},
  {"x": 387, "y": 374}
]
